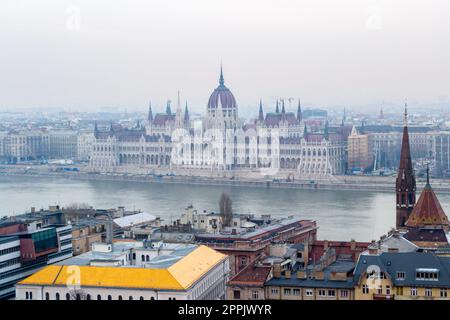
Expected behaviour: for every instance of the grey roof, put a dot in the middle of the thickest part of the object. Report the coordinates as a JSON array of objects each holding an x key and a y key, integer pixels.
[
  {"x": 6, "y": 239},
  {"x": 407, "y": 262},
  {"x": 337, "y": 266}
]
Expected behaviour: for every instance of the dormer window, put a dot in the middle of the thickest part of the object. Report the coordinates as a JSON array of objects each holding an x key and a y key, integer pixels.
[
  {"x": 401, "y": 275},
  {"x": 427, "y": 274}
]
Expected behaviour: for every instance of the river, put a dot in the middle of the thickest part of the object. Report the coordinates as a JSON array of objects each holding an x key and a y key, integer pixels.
[{"x": 341, "y": 215}]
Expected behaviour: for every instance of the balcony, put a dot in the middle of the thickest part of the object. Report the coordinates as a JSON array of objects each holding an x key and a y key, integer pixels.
[{"x": 383, "y": 297}]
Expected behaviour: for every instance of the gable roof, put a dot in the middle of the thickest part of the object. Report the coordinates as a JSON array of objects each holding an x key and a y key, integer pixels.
[{"x": 408, "y": 263}]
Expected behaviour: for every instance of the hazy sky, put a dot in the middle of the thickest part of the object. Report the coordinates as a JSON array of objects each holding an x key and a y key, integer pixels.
[{"x": 90, "y": 54}]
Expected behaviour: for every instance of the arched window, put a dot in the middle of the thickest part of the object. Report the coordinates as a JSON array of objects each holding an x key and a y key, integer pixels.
[
  {"x": 57, "y": 296},
  {"x": 88, "y": 297},
  {"x": 120, "y": 297},
  {"x": 152, "y": 298},
  {"x": 67, "y": 296},
  {"x": 109, "y": 297},
  {"x": 47, "y": 296},
  {"x": 78, "y": 296},
  {"x": 141, "y": 298},
  {"x": 99, "y": 297}
]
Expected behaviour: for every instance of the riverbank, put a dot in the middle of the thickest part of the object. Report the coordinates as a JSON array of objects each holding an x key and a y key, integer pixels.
[{"x": 348, "y": 183}]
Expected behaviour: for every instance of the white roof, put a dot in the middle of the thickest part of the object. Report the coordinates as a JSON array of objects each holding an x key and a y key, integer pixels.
[{"x": 134, "y": 219}]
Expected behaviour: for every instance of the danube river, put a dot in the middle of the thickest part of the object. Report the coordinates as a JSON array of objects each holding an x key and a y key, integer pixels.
[{"x": 341, "y": 215}]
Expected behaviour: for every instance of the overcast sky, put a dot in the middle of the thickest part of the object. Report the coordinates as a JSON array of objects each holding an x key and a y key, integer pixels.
[{"x": 90, "y": 54}]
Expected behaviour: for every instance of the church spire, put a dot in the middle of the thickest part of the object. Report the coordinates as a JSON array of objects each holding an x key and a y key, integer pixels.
[
  {"x": 186, "y": 114},
  {"x": 326, "y": 131},
  {"x": 221, "y": 80},
  {"x": 168, "y": 110},
  {"x": 277, "y": 109},
  {"x": 95, "y": 129},
  {"x": 261, "y": 113},
  {"x": 299, "y": 111},
  {"x": 150, "y": 113},
  {"x": 406, "y": 181}
]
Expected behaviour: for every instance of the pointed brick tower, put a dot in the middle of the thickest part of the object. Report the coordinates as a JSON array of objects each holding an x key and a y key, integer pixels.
[{"x": 406, "y": 182}]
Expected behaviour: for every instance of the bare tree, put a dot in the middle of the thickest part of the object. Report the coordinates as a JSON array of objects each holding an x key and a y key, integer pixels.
[{"x": 226, "y": 210}]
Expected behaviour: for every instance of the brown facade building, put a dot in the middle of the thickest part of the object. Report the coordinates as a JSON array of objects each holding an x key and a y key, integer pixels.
[{"x": 247, "y": 247}]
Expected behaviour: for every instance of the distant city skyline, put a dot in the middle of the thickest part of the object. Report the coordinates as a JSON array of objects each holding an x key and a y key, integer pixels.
[{"x": 79, "y": 55}]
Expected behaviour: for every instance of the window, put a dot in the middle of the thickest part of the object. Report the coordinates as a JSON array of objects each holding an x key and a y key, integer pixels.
[
  {"x": 130, "y": 298},
  {"x": 27, "y": 295},
  {"x": 380, "y": 289},
  {"x": 99, "y": 297},
  {"x": 236, "y": 294},
  {"x": 274, "y": 291},
  {"x": 152, "y": 298},
  {"x": 109, "y": 297},
  {"x": 427, "y": 275},
  {"x": 365, "y": 289},
  {"x": 428, "y": 292},
  {"x": 296, "y": 292},
  {"x": 414, "y": 291},
  {"x": 322, "y": 293},
  {"x": 309, "y": 292},
  {"x": 67, "y": 296},
  {"x": 141, "y": 298},
  {"x": 399, "y": 291},
  {"x": 88, "y": 297},
  {"x": 331, "y": 293},
  {"x": 57, "y": 296},
  {"x": 443, "y": 293},
  {"x": 120, "y": 297},
  {"x": 388, "y": 290},
  {"x": 255, "y": 294},
  {"x": 287, "y": 291},
  {"x": 344, "y": 293}
]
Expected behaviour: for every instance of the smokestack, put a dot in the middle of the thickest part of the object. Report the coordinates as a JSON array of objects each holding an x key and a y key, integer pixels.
[{"x": 109, "y": 231}]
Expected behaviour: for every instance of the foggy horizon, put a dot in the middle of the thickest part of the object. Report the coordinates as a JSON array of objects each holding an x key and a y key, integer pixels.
[{"x": 84, "y": 56}]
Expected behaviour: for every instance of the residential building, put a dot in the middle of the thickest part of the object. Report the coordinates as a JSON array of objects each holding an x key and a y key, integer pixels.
[{"x": 402, "y": 276}]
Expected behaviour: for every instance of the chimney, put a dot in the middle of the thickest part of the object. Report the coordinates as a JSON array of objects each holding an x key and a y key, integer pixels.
[
  {"x": 393, "y": 250},
  {"x": 373, "y": 247},
  {"x": 301, "y": 274},
  {"x": 109, "y": 231},
  {"x": 287, "y": 274},
  {"x": 277, "y": 270},
  {"x": 353, "y": 245}
]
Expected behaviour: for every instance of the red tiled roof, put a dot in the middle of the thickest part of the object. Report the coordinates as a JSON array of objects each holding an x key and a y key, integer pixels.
[
  {"x": 427, "y": 211},
  {"x": 251, "y": 275}
]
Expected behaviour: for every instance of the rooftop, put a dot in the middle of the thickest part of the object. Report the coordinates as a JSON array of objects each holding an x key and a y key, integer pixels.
[{"x": 191, "y": 264}]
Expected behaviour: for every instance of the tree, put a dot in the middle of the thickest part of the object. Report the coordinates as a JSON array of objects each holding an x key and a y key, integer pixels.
[{"x": 226, "y": 211}]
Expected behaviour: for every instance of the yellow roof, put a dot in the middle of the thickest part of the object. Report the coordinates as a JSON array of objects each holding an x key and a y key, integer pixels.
[{"x": 180, "y": 276}]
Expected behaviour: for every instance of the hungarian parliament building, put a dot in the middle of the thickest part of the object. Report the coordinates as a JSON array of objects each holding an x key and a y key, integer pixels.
[{"x": 278, "y": 142}]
